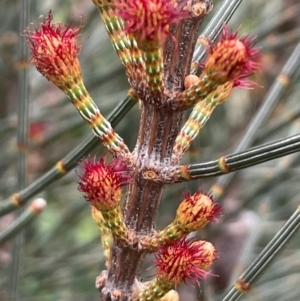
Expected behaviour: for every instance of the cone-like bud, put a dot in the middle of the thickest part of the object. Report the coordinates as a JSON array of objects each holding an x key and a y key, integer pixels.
[
  {"x": 101, "y": 184},
  {"x": 195, "y": 211},
  {"x": 231, "y": 58},
  {"x": 149, "y": 20},
  {"x": 55, "y": 50},
  {"x": 178, "y": 262},
  {"x": 183, "y": 260}
]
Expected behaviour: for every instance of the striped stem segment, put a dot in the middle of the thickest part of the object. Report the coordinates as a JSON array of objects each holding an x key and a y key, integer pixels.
[
  {"x": 125, "y": 45},
  {"x": 106, "y": 237},
  {"x": 265, "y": 258},
  {"x": 89, "y": 111},
  {"x": 199, "y": 116},
  {"x": 172, "y": 232},
  {"x": 115, "y": 29},
  {"x": 35, "y": 208},
  {"x": 197, "y": 92},
  {"x": 137, "y": 62},
  {"x": 157, "y": 289},
  {"x": 114, "y": 221},
  {"x": 236, "y": 161},
  {"x": 153, "y": 59}
]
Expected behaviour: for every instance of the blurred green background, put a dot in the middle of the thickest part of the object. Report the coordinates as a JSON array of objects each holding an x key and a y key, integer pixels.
[{"x": 61, "y": 252}]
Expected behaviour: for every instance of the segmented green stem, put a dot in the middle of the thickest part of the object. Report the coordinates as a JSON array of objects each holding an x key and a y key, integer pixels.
[
  {"x": 265, "y": 258},
  {"x": 63, "y": 166},
  {"x": 173, "y": 231},
  {"x": 229, "y": 163},
  {"x": 23, "y": 109},
  {"x": 106, "y": 237},
  {"x": 153, "y": 59},
  {"x": 114, "y": 221},
  {"x": 89, "y": 111},
  {"x": 199, "y": 91},
  {"x": 199, "y": 116},
  {"x": 35, "y": 208},
  {"x": 157, "y": 289},
  {"x": 124, "y": 45}
]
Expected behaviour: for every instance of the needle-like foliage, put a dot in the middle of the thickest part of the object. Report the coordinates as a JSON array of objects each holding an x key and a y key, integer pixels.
[{"x": 204, "y": 91}]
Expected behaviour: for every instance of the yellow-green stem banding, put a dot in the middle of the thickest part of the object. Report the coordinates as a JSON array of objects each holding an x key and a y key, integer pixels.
[
  {"x": 101, "y": 127},
  {"x": 199, "y": 116},
  {"x": 154, "y": 68},
  {"x": 171, "y": 233},
  {"x": 114, "y": 221},
  {"x": 157, "y": 289}
]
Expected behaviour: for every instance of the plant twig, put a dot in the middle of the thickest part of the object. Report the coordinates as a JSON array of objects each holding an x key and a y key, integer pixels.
[
  {"x": 34, "y": 209},
  {"x": 265, "y": 258},
  {"x": 23, "y": 107},
  {"x": 65, "y": 165},
  {"x": 275, "y": 93}
]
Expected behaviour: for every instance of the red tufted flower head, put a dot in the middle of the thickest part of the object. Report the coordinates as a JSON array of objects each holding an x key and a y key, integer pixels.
[
  {"x": 231, "y": 58},
  {"x": 54, "y": 50},
  {"x": 196, "y": 210},
  {"x": 149, "y": 20},
  {"x": 101, "y": 184},
  {"x": 184, "y": 259}
]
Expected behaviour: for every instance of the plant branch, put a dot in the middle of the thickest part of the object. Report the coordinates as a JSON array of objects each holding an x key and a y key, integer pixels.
[
  {"x": 265, "y": 258},
  {"x": 65, "y": 165},
  {"x": 283, "y": 80},
  {"x": 241, "y": 160}
]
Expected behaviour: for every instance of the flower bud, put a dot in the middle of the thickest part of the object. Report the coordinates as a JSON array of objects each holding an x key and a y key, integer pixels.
[
  {"x": 231, "y": 58},
  {"x": 55, "y": 50},
  {"x": 184, "y": 259},
  {"x": 149, "y": 20},
  {"x": 195, "y": 211},
  {"x": 101, "y": 184}
]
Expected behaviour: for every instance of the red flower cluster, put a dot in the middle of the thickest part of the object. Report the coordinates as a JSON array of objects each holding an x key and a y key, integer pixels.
[
  {"x": 149, "y": 20},
  {"x": 54, "y": 50},
  {"x": 184, "y": 259},
  {"x": 196, "y": 210},
  {"x": 232, "y": 58},
  {"x": 101, "y": 184}
]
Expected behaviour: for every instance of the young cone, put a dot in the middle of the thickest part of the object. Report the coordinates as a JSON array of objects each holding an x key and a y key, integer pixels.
[
  {"x": 101, "y": 185},
  {"x": 194, "y": 213},
  {"x": 149, "y": 21},
  {"x": 232, "y": 58},
  {"x": 176, "y": 263},
  {"x": 55, "y": 50}
]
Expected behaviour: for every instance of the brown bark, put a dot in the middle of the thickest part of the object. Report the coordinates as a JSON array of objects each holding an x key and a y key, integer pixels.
[{"x": 152, "y": 155}]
